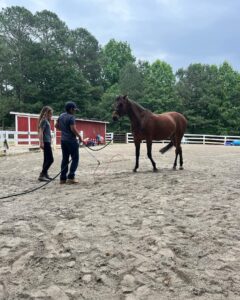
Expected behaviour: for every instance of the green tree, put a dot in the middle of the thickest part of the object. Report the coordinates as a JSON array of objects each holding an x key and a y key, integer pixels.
[
  {"x": 3, "y": 66},
  {"x": 159, "y": 89},
  {"x": 131, "y": 82},
  {"x": 16, "y": 29},
  {"x": 229, "y": 92},
  {"x": 196, "y": 90},
  {"x": 85, "y": 56},
  {"x": 59, "y": 80},
  {"x": 7, "y": 104},
  {"x": 85, "y": 52},
  {"x": 115, "y": 55},
  {"x": 51, "y": 33},
  {"x": 210, "y": 98}
]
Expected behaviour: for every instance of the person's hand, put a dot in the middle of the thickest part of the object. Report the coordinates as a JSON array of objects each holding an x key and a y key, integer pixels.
[{"x": 42, "y": 145}]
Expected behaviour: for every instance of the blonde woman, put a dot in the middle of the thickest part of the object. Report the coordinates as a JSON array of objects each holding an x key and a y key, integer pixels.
[{"x": 44, "y": 130}]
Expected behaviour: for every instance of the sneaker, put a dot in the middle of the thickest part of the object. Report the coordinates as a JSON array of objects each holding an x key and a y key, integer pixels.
[
  {"x": 48, "y": 177},
  {"x": 43, "y": 178},
  {"x": 63, "y": 181},
  {"x": 72, "y": 181}
]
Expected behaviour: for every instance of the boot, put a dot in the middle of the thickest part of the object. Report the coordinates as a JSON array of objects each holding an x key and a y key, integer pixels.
[{"x": 43, "y": 177}]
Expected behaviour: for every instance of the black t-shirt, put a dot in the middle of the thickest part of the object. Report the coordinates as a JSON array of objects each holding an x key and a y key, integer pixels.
[{"x": 65, "y": 121}]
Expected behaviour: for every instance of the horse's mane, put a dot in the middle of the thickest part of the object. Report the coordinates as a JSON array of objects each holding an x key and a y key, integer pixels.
[
  {"x": 136, "y": 113},
  {"x": 137, "y": 105}
]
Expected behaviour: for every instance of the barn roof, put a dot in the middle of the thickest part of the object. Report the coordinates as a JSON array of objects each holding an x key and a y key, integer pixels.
[{"x": 55, "y": 117}]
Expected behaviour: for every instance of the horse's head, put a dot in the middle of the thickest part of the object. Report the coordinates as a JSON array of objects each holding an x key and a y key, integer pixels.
[{"x": 120, "y": 107}]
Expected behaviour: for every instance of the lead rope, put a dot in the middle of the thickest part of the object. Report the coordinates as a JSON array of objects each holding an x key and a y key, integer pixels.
[
  {"x": 34, "y": 189},
  {"x": 46, "y": 183}
]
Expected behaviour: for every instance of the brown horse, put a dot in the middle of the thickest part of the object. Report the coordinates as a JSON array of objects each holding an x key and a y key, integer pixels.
[{"x": 149, "y": 126}]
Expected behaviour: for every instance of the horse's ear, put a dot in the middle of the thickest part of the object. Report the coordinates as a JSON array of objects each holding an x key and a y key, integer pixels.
[{"x": 125, "y": 97}]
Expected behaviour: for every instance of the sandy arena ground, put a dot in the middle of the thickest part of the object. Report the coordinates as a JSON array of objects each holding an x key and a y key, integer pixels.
[{"x": 120, "y": 235}]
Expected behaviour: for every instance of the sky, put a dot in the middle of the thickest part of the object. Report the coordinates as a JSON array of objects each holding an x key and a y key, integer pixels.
[{"x": 179, "y": 32}]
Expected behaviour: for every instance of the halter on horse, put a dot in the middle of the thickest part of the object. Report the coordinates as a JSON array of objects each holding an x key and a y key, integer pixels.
[{"x": 149, "y": 126}]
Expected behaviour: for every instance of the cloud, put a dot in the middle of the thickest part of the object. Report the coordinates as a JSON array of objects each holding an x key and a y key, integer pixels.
[
  {"x": 43, "y": 4},
  {"x": 173, "y": 7},
  {"x": 177, "y": 31},
  {"x": 3, "y": 4},
  {"x": 32, "y": 5},
  {"x": 117, "y": 9}
]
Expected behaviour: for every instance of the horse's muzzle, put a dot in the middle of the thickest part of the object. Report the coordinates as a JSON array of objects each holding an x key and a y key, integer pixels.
[{"x": 115, "y": 116}]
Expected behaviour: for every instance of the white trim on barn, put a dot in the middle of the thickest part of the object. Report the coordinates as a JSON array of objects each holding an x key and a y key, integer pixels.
[{"x": 54, "y": 117}]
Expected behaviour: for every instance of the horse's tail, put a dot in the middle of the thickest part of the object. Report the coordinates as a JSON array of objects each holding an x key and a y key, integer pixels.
[{"x": 166, "y": 148}]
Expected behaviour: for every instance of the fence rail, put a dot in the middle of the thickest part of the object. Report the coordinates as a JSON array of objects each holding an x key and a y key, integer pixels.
[
  {"x": 26, "y": 138},
  {"x": 109, "y": 137},
  {"x": 208, "y": 139},
  {"x": 193, "y": 139},
  {"x": 23, "y": 138},
  {"x": 120, "y": 138},
  {"x": 9, "y": 136},
  {"x": 30, "y": 138}
]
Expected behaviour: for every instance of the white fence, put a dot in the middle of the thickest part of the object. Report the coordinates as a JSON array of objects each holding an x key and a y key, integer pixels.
[
  {"x": 25, "y": 138},
  {"x": 9, "y": 136},
  {"x": 15, "y": 138},
  {"x": 12, "y": 138},
  {"x": 193, "y": 139},
  {"x": 129, "y": 139},
  {"x": 109, "y": 137},
  {"x": 209, "y": 139}
]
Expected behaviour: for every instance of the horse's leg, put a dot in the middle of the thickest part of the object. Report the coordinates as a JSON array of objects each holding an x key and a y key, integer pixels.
[
  {"x": 176, "y": 156},
  {"x": 137, "y": 153},
  {"x": 181, "y": 158},
  {"x": 149, "y": 154},
  {"x": 178, "y": 151},
  {"x": 175, "y": 143}
]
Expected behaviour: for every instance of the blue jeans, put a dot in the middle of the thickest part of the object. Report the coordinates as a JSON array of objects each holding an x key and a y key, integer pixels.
[{"x": 69, "y": 148}]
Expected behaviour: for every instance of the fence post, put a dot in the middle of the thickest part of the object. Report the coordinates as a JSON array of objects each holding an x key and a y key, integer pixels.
[
  {"x": 204, "y": 140},
  {"x": 225, "y": 140},
  {"x": 127, "y": 137},
  {"x": 54, "y": 135},
  {"x": 81, "y": 134},
  {"x": 4, "y": 136},
  {"x": 6, "y": 140},
  {"x": 29, "y": 131},
  {"x": 16, "y": 132},
  {"x": 15, "y": 138}
]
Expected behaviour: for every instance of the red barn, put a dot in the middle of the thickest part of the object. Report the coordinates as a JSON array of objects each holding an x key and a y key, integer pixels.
[{"x": 27, "y": 131}]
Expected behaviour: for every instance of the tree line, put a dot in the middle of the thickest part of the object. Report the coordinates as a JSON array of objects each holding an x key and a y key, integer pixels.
[{"x": 43, "y": 62}]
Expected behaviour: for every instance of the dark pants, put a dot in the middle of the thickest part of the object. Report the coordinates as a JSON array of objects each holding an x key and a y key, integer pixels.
[
  {"x": 69, "y": 148},
  {"x": 47, "y": 157}
]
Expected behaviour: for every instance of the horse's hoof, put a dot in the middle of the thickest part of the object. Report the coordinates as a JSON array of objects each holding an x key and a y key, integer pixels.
[
  {"x": 174, "y": 169},
  {"x": 155, "y": 170},
  {"x": 181, "y": 168},
  {"x": 134, "y": 170}
]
